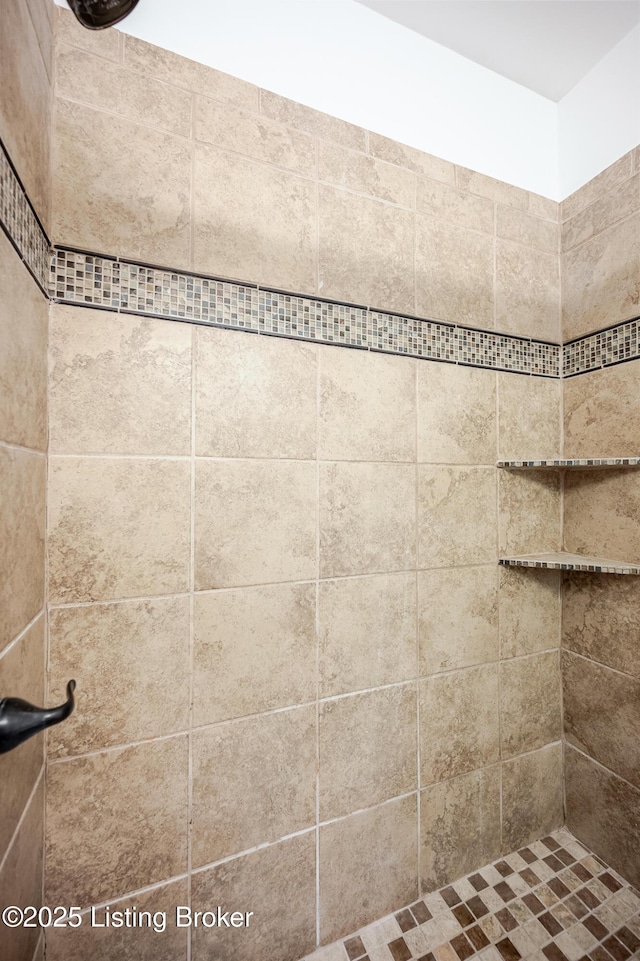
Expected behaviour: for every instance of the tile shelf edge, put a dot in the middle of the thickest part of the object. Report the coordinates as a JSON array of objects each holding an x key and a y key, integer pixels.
[
  {"x": 574, "y": 463},
  {"x": 565, "y": 561}
]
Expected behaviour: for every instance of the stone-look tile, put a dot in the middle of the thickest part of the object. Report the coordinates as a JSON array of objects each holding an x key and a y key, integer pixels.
[
  {"x": 152, "y": 61},
  {"x": 457, "y": 618},
  {"x": 601, "y": 412},
  {"x": 527, "y": 291},
  {"x": 456, "y": 516},
  {"x": 255, "y": 396},
  {"x": 277, "y": 884},
  {"x": 21, "y": 879},
  {"x": 120, "y": 385},
  {"x": 253, "y": 222},
  {"x": 520, "y": 227},
  {"x": 105, "y": 43},
  {"x": 601, "y": 279},
  {"x": 254, "y": 650},
  {"x": 137, "y": 795},
  {"x": 23, "y": 354},
  {"x": 460, "y": 826},
  {"x": 21, "y": 675},
  {"x": 364, "y": 530},
  {"x": 255, "y": 522},
  {"x": 456, "y": 415},
  {"x": 528, "y": 812},
  {"x": 134, "y": 655},
  {"x": 454, "y": 273},
  {"x": 502, "y": 193},
  {"x": 42, "y": 17},
  {"x": 530, "y": 518},
  {"x": 254, "y": 780},
  {"x": 614, "y": 174},
  {"x": 529, "y": 415},
  {"x": 365, "y": 175},
  {"x": 117, "y": 528},
  {"x": 349, "y": 224},
  {"x": 353, "y": 889},
  {"x": 459, "y": 724},
  {"x": 619, "y": 203},
  {"x": 135, "y": 202},
  {"x": 367, "y": 406},
  {"x": 602, "y": 810},
  {"x": 126, "y": 944},
  {"x": 448, "y": 203},
  {"x": 530, "y": 703},
  {"x": 110, "y": 86},
  {"x": 367, "y": 749},
  {"x": 600, "y": 617},
  {"x": 602, "y": 715},
  {"x": 25, "y": 113},
  {"x": 22, "y": 522},
  {"x": 312, "y": 121},
  {"x": 367, "y": 632},
  {"x": 543, "y": 207},
  {"x": 530, "y": 610},
  {"x": 244, "y": 132},
  {"x": 416, "y": 160},
  {"x": 602, "y": 514}
]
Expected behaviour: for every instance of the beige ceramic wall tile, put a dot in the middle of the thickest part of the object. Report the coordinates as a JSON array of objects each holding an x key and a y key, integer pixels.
[
  {"x": 365, "y": 175},
  {"x": 114, "y": 88},
  {"x": 598, "y": 186},
  {"x": 246, "y": 133},
  {"x": 127, "y": 944},
  {"x": 607, "y": 210},
  {"x": 118, "y": 384},
  {"x": 602, "y": 810},
  {"x": 601, "y": 413},
  {"x": 135, "y": 202},
  {"x": 403, "y": 156},
  {"x": 21, "y": 675},
  {"x": 530, "y": 611},
  {"x": 456, "y": 516},
  {"x": 363, "y": 530},
  {"x": 454, "y": 273},
  {"x": 21, "y": 879},
  {"x": 543, "y": 207},
  {"x": 529, "y": 417},
  {"x": 458, "y": 722},
  {"x": 523, "y": 228},
  {"x": 460, "y": 826},
  {"x": 23, "y": 354},
  {"x": 527, "y": 291},
  {"x": 22, "y": 520},
  {"x": 349, "y": 224},
  {"x": 137, "y": 794},
  {"x": 530, "y": 703},
  {"x": 278, "y": 884},
  {"x": 255, "y": 396},
  {"x": 255, "y": 522},
  {"x": 254, "y": 650},
  {"x": 117, "y": 528},
  {"x": 367, "y": 406},
  {"x": 527, "y": 812},
  {"x": 367, "y": 749},
  {"x": 530, "y": 515},
  {"x": 131, "y": 665},
  {"x": 457, "y": 618},
  {"x": 602, "y": 514},
  {"x": 42, "y": 17},
  {"x": 103, "y": 43},
  {"x": 367, "y": 632},
  {"x": 253, "y": 222},
  {"x": 353, "y": 889},
  {"x": 502, "y": 193},
  {"x": 602, "y": 715},
  {"x": 456, "y": 415},
  {"x": 448, "y": 203},
  {"x": 254, "y": 780},
  {"x": 599, "y": 618},
  {"x": 601, "y": 279},
  {"x": 311, "y": 121}
]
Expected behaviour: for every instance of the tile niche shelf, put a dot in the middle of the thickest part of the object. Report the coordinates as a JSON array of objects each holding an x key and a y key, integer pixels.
[{"x": 563, "y": 560}]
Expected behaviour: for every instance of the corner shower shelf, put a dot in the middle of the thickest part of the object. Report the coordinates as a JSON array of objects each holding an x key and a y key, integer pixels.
[
  {"x": 563, "y": 561},
  {"x": 576, "y": 463}
]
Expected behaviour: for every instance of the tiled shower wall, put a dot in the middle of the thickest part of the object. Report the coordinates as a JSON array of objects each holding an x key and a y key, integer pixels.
[{"x": 25, "y": 82}]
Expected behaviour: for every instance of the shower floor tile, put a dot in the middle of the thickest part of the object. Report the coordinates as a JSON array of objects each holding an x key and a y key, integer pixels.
[{"x": 552, "y": 900}]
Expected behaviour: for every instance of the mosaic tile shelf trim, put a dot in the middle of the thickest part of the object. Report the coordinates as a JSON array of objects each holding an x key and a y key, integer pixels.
[
  {"x": 563, "y": 561},
  {"x": 21, "y": 224},
  {"x": 580, "y": 463},
  {"x": 552, "y": 900}
]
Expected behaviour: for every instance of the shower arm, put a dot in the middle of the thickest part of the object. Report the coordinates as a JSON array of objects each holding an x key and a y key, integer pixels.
[{"x": 20, "y": 720}]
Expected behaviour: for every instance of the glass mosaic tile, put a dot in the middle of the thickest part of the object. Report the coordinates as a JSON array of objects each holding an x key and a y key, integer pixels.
[
  {"x": 564, "y": 561},
  {"x": 21, "y": 224},
  {"x": 575, "y": 463}
]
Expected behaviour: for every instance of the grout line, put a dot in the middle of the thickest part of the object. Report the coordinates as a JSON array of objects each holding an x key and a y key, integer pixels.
[
  {"x": 317, "y": 644},
  {"x": 25, "y": 630},
  {"x": 192, "y": 561},
  {"x": 602, "y": 664},
  {"x": 23, "y": 816},
  {"x": 604, "y": 767},
  {"x": 25, "y": 450}
]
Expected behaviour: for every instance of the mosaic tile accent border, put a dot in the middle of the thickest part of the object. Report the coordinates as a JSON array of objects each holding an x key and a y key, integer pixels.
[
  {"x": 614, "y": 345},
  {"x": 576, "y": 463},
  {"x": 564, "y": 561},
  {"x": 552, "y": 900},
  {"x": 21, "y": 224}
]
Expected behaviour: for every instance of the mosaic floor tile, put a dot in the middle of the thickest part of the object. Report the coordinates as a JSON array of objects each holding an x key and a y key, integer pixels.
[{"x": 552, "y": 900}]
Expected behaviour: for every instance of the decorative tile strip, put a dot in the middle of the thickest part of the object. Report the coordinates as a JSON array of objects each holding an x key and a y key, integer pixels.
[
  {"x": 562, "y": 561},
  {"x": 21, "y": 224},
  {"x": 614, "y": 345},
  {"x": 575, "y": 463}
]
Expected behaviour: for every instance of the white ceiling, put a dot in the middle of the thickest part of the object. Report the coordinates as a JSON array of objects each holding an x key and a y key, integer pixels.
[{"x": 545, "y": 45}]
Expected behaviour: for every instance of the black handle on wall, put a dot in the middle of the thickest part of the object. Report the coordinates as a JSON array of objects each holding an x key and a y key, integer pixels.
[{"x": 20, "y": 720}]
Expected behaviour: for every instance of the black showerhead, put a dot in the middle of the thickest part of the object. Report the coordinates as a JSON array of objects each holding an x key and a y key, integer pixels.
[{"x": 98, "y": 14}]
